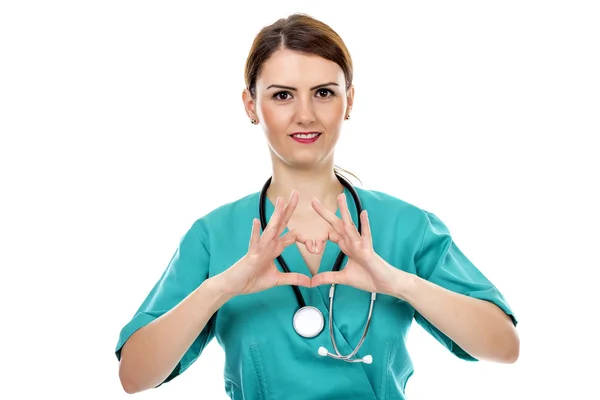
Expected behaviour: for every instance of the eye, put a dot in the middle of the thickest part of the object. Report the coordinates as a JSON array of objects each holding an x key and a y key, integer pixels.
[
  {"x": 281, "y": 96},
  {"x": 324, "y": 93}
]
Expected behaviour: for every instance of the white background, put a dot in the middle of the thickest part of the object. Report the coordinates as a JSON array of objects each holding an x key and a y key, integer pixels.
[{"x": 483, "y": 113}]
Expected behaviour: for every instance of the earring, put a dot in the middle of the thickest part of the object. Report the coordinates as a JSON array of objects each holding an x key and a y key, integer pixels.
[
  {"x": 253, "y": 121},
  {"x": 347, "y": 117}
]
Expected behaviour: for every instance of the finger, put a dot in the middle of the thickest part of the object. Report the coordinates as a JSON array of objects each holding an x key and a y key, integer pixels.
[
  {"x": 366, "y": 229},
  {"x": 292, "y": 278},
  {"x": 287, "y": 212},
  {"x": 328, "y": 278},
  {"x": 334, "y": 237},
  {"x": 307, "y": 242},
  {"x": 289, "y": 238},
  {"x": 255, "y": 235},
  {"x": 293, "y": 237},
  {"x": 272, "y": 227},
  {"x": 349, "y": 227},
  {"x": 320, "y": 246},
  {"x": 328, "y": 216},
  {"x": 317, "y": 246}
]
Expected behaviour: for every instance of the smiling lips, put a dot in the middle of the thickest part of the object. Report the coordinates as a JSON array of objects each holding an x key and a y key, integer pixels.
[{"x": 306, "y": 137}]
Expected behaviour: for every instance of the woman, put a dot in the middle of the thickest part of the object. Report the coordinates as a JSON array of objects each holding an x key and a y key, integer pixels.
[{"x": 226, "y": 279}]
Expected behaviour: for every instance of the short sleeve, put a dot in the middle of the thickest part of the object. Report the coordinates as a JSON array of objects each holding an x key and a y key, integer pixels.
[
  {"x": 186, "y": 270},
  {"x": 440, "y": 261}
]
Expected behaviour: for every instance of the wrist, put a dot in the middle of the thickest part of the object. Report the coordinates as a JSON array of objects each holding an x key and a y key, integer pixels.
[
  {"x": 217, "y": 286},
  {"x": 404, "y": 284}
]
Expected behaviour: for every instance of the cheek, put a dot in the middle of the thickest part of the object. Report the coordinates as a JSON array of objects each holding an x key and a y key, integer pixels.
[
  {"x": 273, "y": 116},
  {"x": 332, "y": 114}
]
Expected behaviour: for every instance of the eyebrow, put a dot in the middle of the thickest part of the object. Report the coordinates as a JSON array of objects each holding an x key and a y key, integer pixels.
[{"x": 293, "y": 88}]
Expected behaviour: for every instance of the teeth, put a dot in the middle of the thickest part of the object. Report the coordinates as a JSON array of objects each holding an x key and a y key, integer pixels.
[{"x": 306, "y": 136}]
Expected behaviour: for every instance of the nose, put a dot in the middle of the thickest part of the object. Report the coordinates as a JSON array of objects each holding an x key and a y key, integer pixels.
[{"x": 305, "y": 112}]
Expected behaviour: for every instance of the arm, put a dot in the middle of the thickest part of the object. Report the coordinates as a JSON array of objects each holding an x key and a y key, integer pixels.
[
  {"x": 173, "y": 324},
  {"x": 148, "y": 358},
  {"x": 479, "y": 327}
]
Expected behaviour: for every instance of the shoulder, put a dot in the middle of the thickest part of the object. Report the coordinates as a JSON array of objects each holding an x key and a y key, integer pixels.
[
  {"x": 394, "y": 220},
  {"x": 380, "y": 204},
  {"x": 393, "y": 214},
  {"x": 240, "y": 210}
]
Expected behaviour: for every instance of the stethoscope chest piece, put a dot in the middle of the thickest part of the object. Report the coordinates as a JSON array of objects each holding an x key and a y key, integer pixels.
[{"x": 308, "y": 321}]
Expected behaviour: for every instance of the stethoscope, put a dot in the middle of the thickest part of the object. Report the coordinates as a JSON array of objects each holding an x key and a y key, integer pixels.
[{"x": 308, "y": 321}]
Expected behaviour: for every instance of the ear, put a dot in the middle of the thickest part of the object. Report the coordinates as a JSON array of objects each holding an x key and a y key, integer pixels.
[
  {"x": 349, "y": 100},
  {"x": 249, "y": 105}
]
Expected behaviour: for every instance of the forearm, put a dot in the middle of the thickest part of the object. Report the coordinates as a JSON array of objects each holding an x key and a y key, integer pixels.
[
  {"x": 479, "y": 327},
  {"x": 152, "y": 352}
]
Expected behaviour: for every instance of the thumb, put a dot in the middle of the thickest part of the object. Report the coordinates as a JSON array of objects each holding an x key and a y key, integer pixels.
[
  {"x": 292, "y": 278},
  {"x": 329, "y": 277}
]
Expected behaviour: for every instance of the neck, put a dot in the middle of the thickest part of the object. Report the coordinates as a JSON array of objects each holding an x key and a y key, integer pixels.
[{"x": 318, "y": 182}]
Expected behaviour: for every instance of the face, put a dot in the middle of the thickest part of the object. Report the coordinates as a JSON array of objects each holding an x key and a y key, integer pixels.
[{"x": 300, "y": 94}]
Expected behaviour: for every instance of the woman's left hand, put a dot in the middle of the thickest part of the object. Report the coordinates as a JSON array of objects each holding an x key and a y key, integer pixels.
[{"x": 364, "y": 269}]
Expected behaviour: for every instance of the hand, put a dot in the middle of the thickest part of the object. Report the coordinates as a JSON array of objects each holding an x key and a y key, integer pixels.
[
  {"x": 364, "y": 270},
  {"x": 256, "y": 271}
]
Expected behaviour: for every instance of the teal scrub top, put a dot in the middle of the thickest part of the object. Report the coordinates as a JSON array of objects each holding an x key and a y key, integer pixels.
[{"x": 264, "y": 357}]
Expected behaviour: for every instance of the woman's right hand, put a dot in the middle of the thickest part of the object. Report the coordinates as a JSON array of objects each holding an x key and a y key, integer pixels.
[{"x": 256, "y": 271}]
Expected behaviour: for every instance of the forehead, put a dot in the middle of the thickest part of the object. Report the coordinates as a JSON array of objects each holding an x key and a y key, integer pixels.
[{"x": 286, "y": 67}]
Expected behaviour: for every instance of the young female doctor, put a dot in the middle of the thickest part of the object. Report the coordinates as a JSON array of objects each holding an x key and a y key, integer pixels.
[{"x": 310, "y": 285}]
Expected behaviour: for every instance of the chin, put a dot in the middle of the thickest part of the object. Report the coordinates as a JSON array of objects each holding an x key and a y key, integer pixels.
[{"x": 304, "y": 163}]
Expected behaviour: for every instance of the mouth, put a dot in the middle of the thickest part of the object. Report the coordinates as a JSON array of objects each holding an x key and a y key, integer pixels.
[{"x": 305, "y": 137}]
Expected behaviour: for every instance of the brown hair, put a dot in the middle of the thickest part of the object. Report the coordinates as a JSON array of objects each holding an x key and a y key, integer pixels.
[{"x": 301, "y": 33}]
